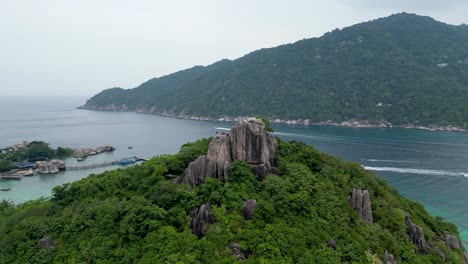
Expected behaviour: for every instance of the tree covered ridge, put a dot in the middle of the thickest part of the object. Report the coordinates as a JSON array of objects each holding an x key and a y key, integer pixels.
[
  {"x": 404, "y": 69},
  {"x": 140, "y": 215}
]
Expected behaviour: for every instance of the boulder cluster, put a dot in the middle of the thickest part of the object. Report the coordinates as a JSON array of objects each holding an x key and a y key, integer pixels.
[
  {"x": 248, "y": 141},
  {"x": 52, "y": 167},
  {"x": 416, "y": 234},
  {"x": 361, "y": 204}
]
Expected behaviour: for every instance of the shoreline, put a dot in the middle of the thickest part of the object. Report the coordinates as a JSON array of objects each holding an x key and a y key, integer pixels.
[{"x": 304, "y": 122}]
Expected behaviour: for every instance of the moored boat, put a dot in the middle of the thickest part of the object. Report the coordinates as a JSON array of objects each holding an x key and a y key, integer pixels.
[
  {"x": 126, "y": 161},
  {"x": 11, "y": 177},
  {"x": 4, "y": 189}
]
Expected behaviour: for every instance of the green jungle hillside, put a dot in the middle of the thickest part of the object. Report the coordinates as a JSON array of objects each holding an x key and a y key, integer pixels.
[
  {"x": 302, "y": 212},
  {"x": 403, "y": 69}
]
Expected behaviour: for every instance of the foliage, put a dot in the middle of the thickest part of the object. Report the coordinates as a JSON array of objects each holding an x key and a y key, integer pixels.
[
  {"x": 140, "y": 215},
  {"x": 385, "y": 69},
  {"x": 5, "y": 165},
  {"x": 33, "y": 151},
  {"x": 39, "y": 150},
  {"x": 63, "y": 152},
  {"x": 267, "y": 123}
]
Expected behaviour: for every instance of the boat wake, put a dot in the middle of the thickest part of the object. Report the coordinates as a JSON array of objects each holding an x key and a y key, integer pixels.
[
  {"x": 416, "y": 171},
  {"x": 387, "y": 160}
]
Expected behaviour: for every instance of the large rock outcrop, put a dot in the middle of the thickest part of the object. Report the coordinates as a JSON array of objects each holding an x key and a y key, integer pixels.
[
  {"x": 389, "y": 258},
  {"x": 361, "y": 204},
  {"x": 46, "y": 242},
  {"x": 451, "y": 241},
  {"x": 237, "y": 252},
  {"x": 215, "y": 164},
  {"x": 249, "y": 209},
  {"x": 416, "y": 235},
  {"x": 202, "y": 218},
  {"x": 248, "y": 141},
  {"x": 253, "y": 144}
]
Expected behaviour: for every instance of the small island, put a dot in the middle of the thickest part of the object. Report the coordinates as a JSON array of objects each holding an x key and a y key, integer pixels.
[
  {"x": 24, "y": 156},
  {"x": 27, "y": 158}
]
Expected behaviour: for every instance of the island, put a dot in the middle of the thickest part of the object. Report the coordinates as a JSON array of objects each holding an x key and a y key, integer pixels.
[
  {"x": 27, "y": 158},
  {"x": 238, "y": 197},
  {"x": 403, "y": 70}
]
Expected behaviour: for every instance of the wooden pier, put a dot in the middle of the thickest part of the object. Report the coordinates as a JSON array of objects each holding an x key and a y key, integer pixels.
[
  {"x": 90, "y": 166},
  {"x": 99, "y": 165},
  {"x": 82, "y": 167}
]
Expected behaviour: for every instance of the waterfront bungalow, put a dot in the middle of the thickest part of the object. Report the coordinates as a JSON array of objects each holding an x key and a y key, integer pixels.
[{"x": 25, "y": 165}]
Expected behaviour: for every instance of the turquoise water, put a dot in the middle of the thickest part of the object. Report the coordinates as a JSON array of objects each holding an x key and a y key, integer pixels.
[{"x": 431, "y": 167}]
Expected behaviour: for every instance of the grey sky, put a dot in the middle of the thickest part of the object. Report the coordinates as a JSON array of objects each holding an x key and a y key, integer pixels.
[{"x": 59, "y": 47}]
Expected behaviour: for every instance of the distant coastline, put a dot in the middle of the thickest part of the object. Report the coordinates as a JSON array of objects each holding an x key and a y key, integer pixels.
[{"x": 305, "y": 122}]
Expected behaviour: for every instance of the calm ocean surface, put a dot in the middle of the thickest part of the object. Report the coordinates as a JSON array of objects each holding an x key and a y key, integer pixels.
[{"x": 431, "y": 167}]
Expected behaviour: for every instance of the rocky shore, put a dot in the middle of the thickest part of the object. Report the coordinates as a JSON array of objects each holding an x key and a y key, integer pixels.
[{"x": 306, "y": 122}]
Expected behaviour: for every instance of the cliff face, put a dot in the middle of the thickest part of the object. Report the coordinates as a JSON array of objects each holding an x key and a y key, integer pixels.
[{"x": 248, "y": 141}]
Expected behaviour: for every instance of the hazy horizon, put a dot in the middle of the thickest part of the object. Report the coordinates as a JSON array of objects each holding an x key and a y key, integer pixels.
[{"x": 80, "y": 48}]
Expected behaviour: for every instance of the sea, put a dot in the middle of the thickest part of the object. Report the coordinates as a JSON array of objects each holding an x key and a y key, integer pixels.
[{"x": 429, "y": 167}]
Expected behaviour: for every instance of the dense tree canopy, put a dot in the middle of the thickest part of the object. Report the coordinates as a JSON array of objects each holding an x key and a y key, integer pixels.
[
  {"x": 32, "y": 151},
  {"x": 405, "y": 69},
  {"x": 140, "y": 215}
]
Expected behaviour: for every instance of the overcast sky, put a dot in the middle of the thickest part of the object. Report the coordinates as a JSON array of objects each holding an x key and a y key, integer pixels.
[{"x": 65, "y": 47}]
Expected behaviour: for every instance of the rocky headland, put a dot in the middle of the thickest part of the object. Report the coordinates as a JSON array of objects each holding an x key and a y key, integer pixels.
[
  {"x": 249, "y": 142},
  {"x": 353, "y": 123}
]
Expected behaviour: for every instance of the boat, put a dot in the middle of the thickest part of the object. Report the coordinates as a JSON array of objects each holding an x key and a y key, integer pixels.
[
  {"x": 11, "y": 177},
  {"x": 130, "y": 147},
  {"x": 80, "y": 159},
  {"x": 4, "y": 189},
  {"x": 126, "y": 161}
]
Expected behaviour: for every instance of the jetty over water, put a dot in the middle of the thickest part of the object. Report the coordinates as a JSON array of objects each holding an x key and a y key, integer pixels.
[{"x": 124, "y": 161}]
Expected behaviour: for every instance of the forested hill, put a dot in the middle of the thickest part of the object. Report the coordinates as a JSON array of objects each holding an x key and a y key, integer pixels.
[
  {"x": 404, "y": 69},
  {"x": 229, "y": 199}
]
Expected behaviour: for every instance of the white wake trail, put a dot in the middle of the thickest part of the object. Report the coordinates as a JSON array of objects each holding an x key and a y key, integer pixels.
[{"x": 416, "y": 171}]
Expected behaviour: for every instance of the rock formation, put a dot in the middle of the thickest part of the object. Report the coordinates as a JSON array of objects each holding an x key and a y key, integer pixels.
[
  {"x": 249, "y": 208},
  {"x": 50, "y": 168},
  {"x": 215, "y": 164},
  {"x": 237, "y": 252},
  {"x": 202, "y": 218},
  {"x": 440, "y": 252},
  {"x": 361, "y": 204},
  {"x": 46, "y": 242},
  {"x": 451, "y": 241},
  {"x": 252, "y": 144},
  {"x": 248, "y": 141},
  {"x": 416, "y": 234},
  {"x": 389, "y": 258},
  {"x": 331, "y": 243}
]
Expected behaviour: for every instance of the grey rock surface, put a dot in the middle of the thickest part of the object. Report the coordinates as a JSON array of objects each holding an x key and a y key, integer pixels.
[
  {"x": 248, "y": 141},
  {"x": 451, "y": 241},
  {"x": 389, "y": 258},
  {"x": 46, "y": 242},
  {"x": 253, "y": 144},
  {"x": 361, "y": 204},
  {"x": 249, "y": 209},
  {"x": 416, "y": 235},
  {"x": 332, "y": 243},
  {"x": 202, "y": 218},
  {"x": 237, "y": 252}
]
